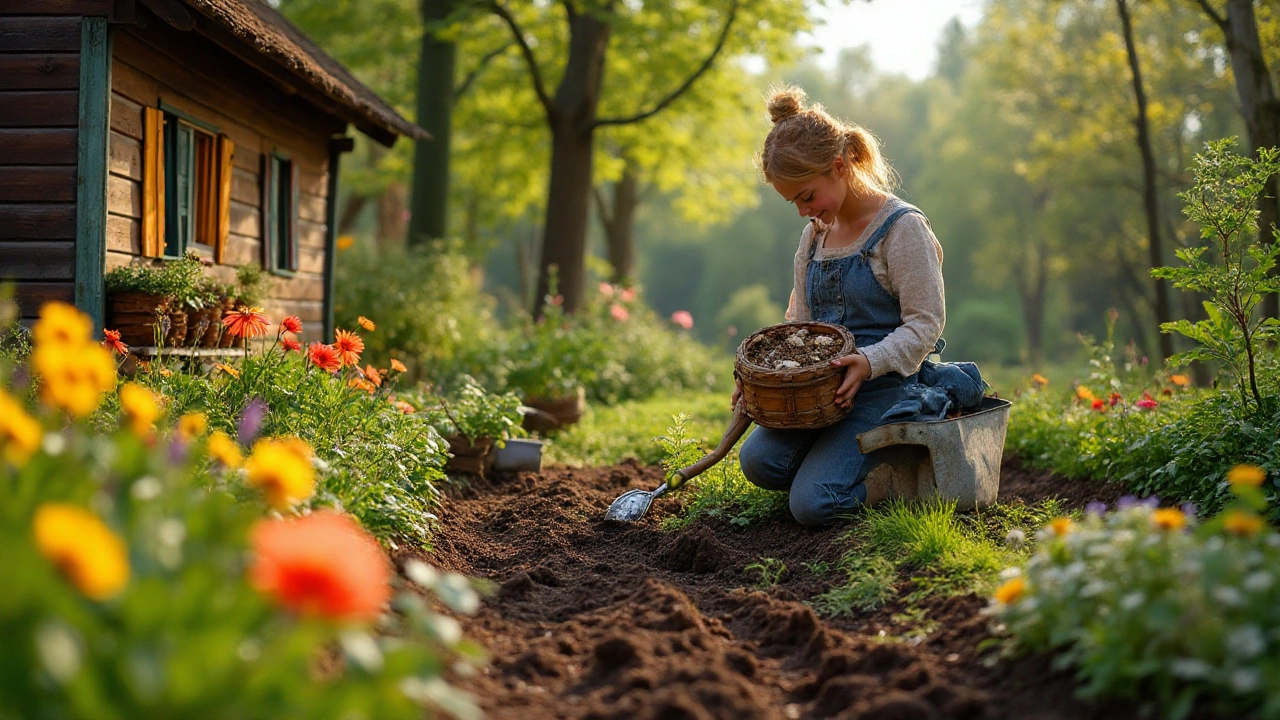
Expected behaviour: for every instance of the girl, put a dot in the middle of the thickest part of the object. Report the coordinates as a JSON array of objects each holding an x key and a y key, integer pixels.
[{"x": 867, "y": 260}]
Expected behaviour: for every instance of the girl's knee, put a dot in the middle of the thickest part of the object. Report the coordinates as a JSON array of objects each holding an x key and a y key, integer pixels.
[
  {"x": 820, "y": 507},
  {"x": 763, "y": 467}
]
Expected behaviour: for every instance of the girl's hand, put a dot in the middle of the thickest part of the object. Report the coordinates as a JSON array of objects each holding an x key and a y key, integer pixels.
[
  {"x": 857, "y": 368},
  {"x": 737, "y": 394}
]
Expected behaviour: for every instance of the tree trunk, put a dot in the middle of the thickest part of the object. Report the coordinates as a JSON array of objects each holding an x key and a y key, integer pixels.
[
  {"x": 429, "y": 207},
  {"x": 391, "y": 220},
  {"x": 1149, "y": 197},
  {"x": 564, "y": 236},
  {"x": 619, "y": 226},
  {"x": 350, "y": 211}
]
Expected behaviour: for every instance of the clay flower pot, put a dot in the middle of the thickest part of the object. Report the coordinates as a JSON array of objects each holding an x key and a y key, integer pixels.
[
  {"x": 565, "y": 410},
  {"x": 137, "y": 316},
  {"x": 470, "y": 456}
]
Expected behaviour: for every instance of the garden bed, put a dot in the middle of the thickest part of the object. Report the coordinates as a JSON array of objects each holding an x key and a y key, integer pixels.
[{"x": 595, "y": 620}]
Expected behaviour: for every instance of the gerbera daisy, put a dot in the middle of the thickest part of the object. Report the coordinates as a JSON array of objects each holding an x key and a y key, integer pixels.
[
  {"x": 246, "y": 322},
  {"x": 349, "y": 346},
  {"x": 292, "y": 324},
  {"x": 324, "y": 357},
  {"x": 291, "y": 345},
  {"x": 366, "y": 323},
  {"x": 111, "y": 341}
]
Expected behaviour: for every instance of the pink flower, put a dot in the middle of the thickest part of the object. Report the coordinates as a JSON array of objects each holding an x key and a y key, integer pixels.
[
  {"x": 606, "y": 289},
  {"x": 732, "y": 330},
  {"x": 556, "y": 301},
  {"x": 682, "y": 318},
  {"x": 627, "y": 295},
  {"x": 618, "y": 312},
  {"x": 1147, "y": 402}
]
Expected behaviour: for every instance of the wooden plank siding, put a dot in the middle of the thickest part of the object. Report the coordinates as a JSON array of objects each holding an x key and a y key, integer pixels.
[
  {"x": 39, "y": 145},
  {"x": 188, "y": 73}
]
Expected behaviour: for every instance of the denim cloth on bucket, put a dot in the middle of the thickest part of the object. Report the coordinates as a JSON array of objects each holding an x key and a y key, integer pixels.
[
  {"x": 823, "y": 469},
  {"x": 940, "y": 387}
]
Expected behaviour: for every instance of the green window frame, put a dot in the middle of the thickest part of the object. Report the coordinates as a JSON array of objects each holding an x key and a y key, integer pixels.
[
  {"x": 182, "y": 133},
  {"x": 282, "y": 214}
]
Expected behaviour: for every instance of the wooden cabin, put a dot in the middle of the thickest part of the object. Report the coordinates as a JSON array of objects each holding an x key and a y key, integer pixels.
[{"x": 145, "y": 128}]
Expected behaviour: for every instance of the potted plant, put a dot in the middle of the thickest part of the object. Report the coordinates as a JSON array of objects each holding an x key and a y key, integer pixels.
[
  {"x": 550, "y": 364},
  {"x": 139, "y": 298},
  {"x": 475, "y": 423},
  {"x": 208, "y": 297}
]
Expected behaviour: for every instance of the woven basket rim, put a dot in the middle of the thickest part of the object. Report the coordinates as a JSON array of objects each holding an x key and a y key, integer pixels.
[{"x": 847, "y": 347}]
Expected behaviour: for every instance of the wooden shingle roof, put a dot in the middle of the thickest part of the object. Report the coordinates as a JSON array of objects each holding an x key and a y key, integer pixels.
[{"x": 264, "y": 38}]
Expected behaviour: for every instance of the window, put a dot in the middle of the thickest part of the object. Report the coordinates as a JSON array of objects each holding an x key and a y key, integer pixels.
[
  {"x": 282, "y": 214},
  {"x": 186, "y": 185}
]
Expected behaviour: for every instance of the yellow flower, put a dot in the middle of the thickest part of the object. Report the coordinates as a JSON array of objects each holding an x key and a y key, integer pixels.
[
  {"x": 1242, "y": 523},
  {"x": 228, "y": 370},
  {"x": 1169, "y": 519},
  {"x": 345, "y": 241},
  {"x": 1246, "y": 474},
  {"x": 83, "y": 549},
  {"x": 19, "y": 432},
  {"x": 61, "y": 324},
  {"x": 366, "y": 323},
  {"x": 1061, "y": 525},
  {"x": 1040, "y": 379},
  {"x": 192, "y": 425},
  {"x": 1180, "y": 380},
  {"x": 225, "y": 450},
  {"x": 282, "y": 470},
  {"x": 140, "y": 406},
  {"x": 1011, "y": 590},
  {"x": 1085, "y": 393},
  {"x": 74, "y": 377},
  {"x": 397, "y": 365}
]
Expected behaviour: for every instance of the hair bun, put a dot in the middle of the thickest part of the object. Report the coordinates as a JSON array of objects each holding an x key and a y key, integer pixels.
[{"x": 784, "y": 102}]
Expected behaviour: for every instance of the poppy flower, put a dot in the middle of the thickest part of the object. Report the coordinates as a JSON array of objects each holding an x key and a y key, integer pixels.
[
  {"x": 246, "y": 322},
  {"x": 324, "y": 357},
  {"x": 322, "y": 564},
  {"x": 349, "y": 346},
  {"x": 291, "y": 345},
  {"x": 111, "y": 341},
  {"x": 292, "y": 324}
]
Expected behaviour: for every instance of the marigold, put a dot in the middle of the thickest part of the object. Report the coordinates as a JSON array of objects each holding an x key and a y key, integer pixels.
[
  {"x": 83, "y": 548},
  {"x": 1061, "y": 525},
  {"x": 1243, "y": 523},
  {"x": 225, "y": 450},
  {"x": 1011, "y": 590},
  {"x": 111, "y": 341},
  {"x": 361, "y": 384},
  {"x": 246, "y": 322},
  {"x": 1169, "y": 519},
  {"x": 372, "y": 375},
  {"x": 349, "y": 346},
  {"x": 1040, "y": 379},
  {"x": 228, "y": 370},
  {"x": 324, "y": 357},
  {"x": 19, "y": 432},
  {"x": 290, "y": 345},
  {"x": 1084, "y": 393},
  {"x": 323, "y": 565},
  {"x": 344, "y": 242},
  {"x": 282, "y": 472},
  {"x": 292, "y": 324},
  {"x": 366, "y": 323},
  {"x": 192, "y": 425},
  {"x": 140, "y": 407},
  {"x": 398, "y": 366},
  {"x": 1180, "y": 380},
  {"x": 1245, "y": 474},
  {"x": 61, "y": 324}
]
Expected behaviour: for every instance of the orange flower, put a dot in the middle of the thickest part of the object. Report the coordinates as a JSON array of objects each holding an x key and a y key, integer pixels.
[
  {"x": 1169, "y": 519},
  {"x": 323, "y": 565},
  {"x": 1180, "y": 380},
  {"x": 228, "y": 370},
  {"x": 111, "y": 341},
  {"x": 1084, "y": 393},
  {"x": 1242, "y": 523},
  {"x": 1061, "y": 525},
  {"x": 246, "y": 322},
  {"x": 291, "y": 345},
  {"x": 405, "y": 407},
  {"x": 292, "y": 324},
  {"x": 361, "y": 384},
  {"x": 1040, "y": 379},
  {"x": 324, "y": 357},
  {"x": 1246, "y": 474},
  {"x": 1011, "y": 590},
  {"x": 366, "y": 323},
  {"x": 371, "y": 373},
  {"x": 349, "y": 346},
  {"x": 398, "y": 366},
  {"x": 1098, "y": 404}
]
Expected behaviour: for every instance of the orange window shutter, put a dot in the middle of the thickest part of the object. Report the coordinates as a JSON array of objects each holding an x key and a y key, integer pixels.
[
  {"x": 226, "y": 151},
  {"x": 152, "y": 182}
]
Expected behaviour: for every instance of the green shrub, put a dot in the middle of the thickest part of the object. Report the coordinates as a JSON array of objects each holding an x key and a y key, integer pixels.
[{"x": 472, "y": 412}]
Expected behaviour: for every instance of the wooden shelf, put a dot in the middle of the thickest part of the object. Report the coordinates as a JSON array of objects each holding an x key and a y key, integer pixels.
[{"x": 152, "y": 351}]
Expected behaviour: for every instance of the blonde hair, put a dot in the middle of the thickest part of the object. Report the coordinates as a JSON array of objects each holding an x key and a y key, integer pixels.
[{"x": 805, "y": 142}]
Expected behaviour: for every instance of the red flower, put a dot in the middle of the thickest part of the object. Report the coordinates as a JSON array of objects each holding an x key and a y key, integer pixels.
[
  {"x": 111, "y": 341},
  {"x": 1098, "y": 404},
  {"x": 324, "y": 357},
  {"x": 1115, "y": 399},
  {"x": 292, "y": 324},
  {"x": 291, "y": 345},
  {"x": 246, "y": 322},
  {"x": 321, "y": 564},
  {"x": 349, "y": 346},
  {"x": 1147, "y": 402}
]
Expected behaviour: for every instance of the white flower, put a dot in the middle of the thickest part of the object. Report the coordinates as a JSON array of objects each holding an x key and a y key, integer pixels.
[
  {"x": 1015, "y": 539},
  {"x": 1244, "y": 680},
  {"x": 1094, "y": 588},
  {"x": 1189, "y": 668},
  {"x": 1247, "y": 641},
  {"x": 1257, "y": 582},
  {"x": 1133, "y": 600},
  {"x": 1228, "y": 596},
  {"x": 1010, "y": 573}
]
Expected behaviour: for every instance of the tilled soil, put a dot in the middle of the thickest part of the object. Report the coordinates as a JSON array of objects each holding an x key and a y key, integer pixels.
[{"x": 594, "y": 620}]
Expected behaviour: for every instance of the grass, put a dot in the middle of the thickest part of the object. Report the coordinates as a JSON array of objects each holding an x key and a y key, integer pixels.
[{"x": 607, "y": 435}]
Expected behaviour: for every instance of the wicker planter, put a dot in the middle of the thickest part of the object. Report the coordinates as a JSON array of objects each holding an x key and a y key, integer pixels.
[
  {"x": 177, "y": 328},
  {"x": 566, "y": 410},
  {"x": 214, "y": 316},
  {"x": 800, "y": 398},
  {"x": 136, "y": 315},
  {"x": 469, "y": 456}
]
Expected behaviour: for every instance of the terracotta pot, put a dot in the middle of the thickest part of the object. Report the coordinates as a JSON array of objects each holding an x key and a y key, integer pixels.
[
  {"x": 136, "y": 315},
  {"x": 210, "y": 337},
  {"x": 566, "y": 409},
  {"x": 177, "y": 328},
  {"x": 470, "y": 456}
]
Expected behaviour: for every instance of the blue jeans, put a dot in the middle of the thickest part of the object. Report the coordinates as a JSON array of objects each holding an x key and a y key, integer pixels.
[{"x": 822, "y": 469}]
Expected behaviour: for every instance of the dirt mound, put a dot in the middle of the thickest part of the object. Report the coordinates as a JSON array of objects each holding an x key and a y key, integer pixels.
[{"x": 606, "y": 621}]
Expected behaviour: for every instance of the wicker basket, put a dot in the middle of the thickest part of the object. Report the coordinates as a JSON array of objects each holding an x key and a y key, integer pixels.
[{"x": 802, "y": 398}]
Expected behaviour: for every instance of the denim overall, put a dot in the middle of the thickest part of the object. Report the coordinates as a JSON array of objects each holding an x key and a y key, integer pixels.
[{"x": 823, "y": 469}]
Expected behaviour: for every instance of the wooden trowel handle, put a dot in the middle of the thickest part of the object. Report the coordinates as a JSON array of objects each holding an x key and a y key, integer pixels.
[{"x": 741, "y": 421}]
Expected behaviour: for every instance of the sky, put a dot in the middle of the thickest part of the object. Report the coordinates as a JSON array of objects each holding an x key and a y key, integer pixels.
[{"x": 902, "y": 33}]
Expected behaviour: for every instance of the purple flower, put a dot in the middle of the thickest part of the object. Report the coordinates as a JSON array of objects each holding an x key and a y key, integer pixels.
[
  {"x": 1151, "y": 502},
  {"x": 1126, "y": 502},
  {"x": 177, "y": 451},
  {"x": 251, "y": 420},
  {"x": 1189, "y": 509},
  {"x": 1095, "y": 508}
]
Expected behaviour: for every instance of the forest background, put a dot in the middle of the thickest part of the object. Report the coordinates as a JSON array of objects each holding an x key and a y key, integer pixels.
[{"x": 1021, "y": 147}]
